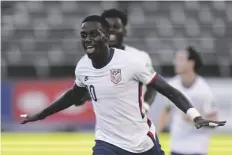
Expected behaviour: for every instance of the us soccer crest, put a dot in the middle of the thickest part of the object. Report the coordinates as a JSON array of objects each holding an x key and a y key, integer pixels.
[{"x": 115, "y": 75}]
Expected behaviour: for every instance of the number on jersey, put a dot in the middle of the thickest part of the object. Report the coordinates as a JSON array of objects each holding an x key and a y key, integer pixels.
[{"x": 92, "y": 93}]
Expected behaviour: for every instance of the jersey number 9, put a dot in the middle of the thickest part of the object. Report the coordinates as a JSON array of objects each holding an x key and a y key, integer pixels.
[{"x": 92, "y": 92}]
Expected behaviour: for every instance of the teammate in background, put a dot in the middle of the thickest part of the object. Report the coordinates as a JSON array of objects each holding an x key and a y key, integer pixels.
[
  {"x": 185, "y": 139},
  {"x": 118, "y": 21},
  {"x": 113, "y": 78}
]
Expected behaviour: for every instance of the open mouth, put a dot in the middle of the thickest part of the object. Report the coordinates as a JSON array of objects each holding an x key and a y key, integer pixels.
[
  {"x": 112, "y": 37},
  {"x": 90, "y": 49}
]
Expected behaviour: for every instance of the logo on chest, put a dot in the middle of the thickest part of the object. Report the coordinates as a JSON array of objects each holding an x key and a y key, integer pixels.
[
  {"x": 86, "y": 78},
  {"x": 115, "y": 75}
]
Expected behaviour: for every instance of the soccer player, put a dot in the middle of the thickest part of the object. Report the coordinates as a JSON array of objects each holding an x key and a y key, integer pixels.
[
  {"x": 185, "y": 139},
  {"x": 114, "y": 78},
  {"x": 118, "y": 21}
]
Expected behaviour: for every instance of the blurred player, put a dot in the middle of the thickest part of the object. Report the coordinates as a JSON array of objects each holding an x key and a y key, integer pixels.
[
  {"x": 114, "y": 78},
  {"x": 185, "y": 139},
  {"x": 117, "y": 21}
]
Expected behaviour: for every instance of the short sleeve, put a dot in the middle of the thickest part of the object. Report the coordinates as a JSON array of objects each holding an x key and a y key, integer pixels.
[
  {"x": 149, "y": 61},
  {"x": 79, "y": 83},
  {"x": 77, "y": 80},
  {"x": 144, "y": 72}
]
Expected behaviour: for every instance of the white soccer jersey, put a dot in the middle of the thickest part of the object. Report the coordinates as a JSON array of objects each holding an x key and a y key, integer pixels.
[
  {"x": 117, "y": 99},
  {"x": 185, "y": 138},
  {"x": 144, "y": 56}
]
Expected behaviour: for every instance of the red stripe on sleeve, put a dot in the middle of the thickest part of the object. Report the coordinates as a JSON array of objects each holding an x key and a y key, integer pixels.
[{"x": 153, "y": 78}]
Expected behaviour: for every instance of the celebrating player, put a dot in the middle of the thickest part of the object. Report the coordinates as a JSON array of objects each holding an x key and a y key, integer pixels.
[
  {"x": 117, "y": 21},
  {"x": 185, "y": 139},
  {"x": 114, "y": 78}
]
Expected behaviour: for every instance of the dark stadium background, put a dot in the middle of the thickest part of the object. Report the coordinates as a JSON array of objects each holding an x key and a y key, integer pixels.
[{"x": 41, "y": 39}]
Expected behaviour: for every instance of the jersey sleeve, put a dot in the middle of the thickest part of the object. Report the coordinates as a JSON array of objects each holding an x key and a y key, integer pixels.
[
  {"x": 77, "y": 80},
  {"x": 148, "y": 58},
  {"x": 144, "y": 72}
]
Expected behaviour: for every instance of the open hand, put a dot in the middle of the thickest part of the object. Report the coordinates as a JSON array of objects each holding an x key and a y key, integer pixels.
[
  {"x": 200, "y": 122},
  {"x": 29, "y": 118}
]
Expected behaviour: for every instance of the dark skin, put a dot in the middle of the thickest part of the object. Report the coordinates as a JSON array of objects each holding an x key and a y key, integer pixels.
[
  {"x": 118, "y": 29},
  {"x": 99, "y": 58},
  {"x": 93, "y": 34}
]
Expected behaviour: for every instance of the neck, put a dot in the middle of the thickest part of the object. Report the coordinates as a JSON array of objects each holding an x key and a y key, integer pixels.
[
  {"x": 122, "y": 47},
  {"x": 101, "y": 61},
  {"x": 188, "y": 79}
]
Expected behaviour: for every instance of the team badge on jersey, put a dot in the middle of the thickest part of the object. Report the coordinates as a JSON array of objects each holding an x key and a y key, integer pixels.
[{"x": 115, "y": 75}]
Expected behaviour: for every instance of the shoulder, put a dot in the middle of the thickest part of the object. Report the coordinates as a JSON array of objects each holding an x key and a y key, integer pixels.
[
  {"x": 132, "y": 49},
  {"x": 128, "y": 60},
  {"x": 135, "y": 50},
  {"x": 82, "y": 63},
  {"x": 126, "y": 56}
]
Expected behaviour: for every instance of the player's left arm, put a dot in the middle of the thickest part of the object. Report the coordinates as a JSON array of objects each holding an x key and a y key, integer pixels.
[
  {"x": 182, "y": 102},
  {"x": 146, "y": 74}
]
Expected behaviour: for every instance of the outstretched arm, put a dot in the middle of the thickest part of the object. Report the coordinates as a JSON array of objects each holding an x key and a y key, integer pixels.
[
  {"x": 181, "y": 102},
  {"x": 172, "y": 94},
  {"x": 70, "y": 97}
]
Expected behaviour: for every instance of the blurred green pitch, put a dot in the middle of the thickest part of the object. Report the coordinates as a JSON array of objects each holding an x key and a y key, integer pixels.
[{"x": 81, "y": 144}]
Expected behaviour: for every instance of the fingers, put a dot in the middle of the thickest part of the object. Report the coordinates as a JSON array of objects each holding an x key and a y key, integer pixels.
[
  {"x": 211, "y": 124},
  {"x": 222, "y": 122},
  {"x": 217, "y": 123},
  {"x": 24, "y": 116}
]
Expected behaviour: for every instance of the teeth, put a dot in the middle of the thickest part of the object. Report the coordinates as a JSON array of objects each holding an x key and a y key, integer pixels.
[
  {"x": 90, "y": 50},
  {"x": 112, "y": 37},
  {"x": 89, "y": 46}
]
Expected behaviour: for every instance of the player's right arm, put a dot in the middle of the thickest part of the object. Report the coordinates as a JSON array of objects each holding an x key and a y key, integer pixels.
[
  {"x": 144, "y": 73},
  {"x": 70, "y": 97}
]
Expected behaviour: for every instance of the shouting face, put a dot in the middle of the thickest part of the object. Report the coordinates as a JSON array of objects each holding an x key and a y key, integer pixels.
[{"x": 93, "y": 38}]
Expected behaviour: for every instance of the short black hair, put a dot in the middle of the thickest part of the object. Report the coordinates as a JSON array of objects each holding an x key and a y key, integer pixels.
[
  {"x": 195, "y": 56},
  {"x": 97, "y": 18},
  {"x": 114, "y": 13}
]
